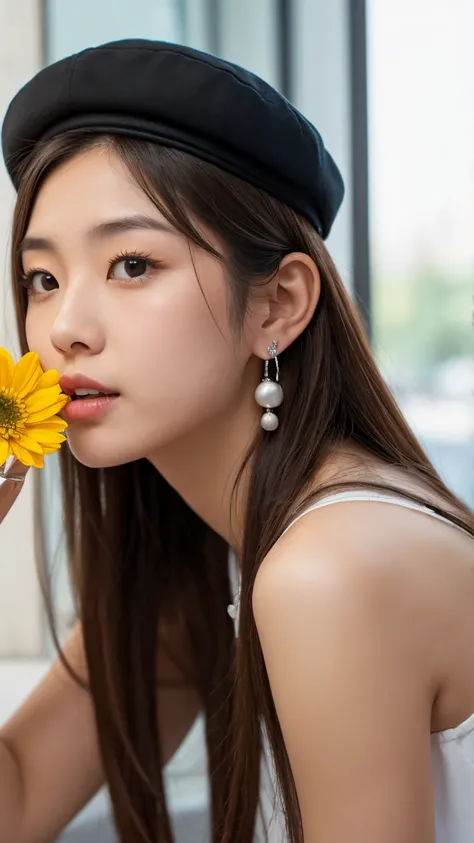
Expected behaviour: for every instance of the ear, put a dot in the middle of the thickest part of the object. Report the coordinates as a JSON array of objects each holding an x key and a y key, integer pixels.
[{"x": 286, "y": 303}]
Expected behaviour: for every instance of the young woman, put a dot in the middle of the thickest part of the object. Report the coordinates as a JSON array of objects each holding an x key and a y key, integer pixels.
[{"x": 168, "y": 253}]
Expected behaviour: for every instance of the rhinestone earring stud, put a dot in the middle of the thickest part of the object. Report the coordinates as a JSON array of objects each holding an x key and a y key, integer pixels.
[{"x": 269, "y": 394}]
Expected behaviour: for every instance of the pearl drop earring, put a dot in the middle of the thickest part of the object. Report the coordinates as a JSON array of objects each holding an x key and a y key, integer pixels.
[{"x": 269, "y": 394}]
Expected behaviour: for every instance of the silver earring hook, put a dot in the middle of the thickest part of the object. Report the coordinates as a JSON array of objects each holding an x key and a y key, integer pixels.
[{"x": 273, "y": 356}]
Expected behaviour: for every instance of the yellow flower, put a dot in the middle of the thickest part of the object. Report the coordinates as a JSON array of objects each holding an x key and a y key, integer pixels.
[{"x": 29, "y": 402}]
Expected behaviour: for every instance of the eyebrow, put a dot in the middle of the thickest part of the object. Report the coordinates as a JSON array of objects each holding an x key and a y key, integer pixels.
[{"x": 101, "y": 231}]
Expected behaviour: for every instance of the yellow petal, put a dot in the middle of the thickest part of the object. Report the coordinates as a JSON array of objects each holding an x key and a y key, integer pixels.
[
  {"x": 49, "y": 378},
  {"x": 51, "y": 449},
  {"x": 38, "y": 461},
  {"x": 27, "y": 373},
  {"x": 47, "y": 412},
  {"x": 45, "y": 437},
  {"x": 7, "y": 368},
  {"x": 55, "y": 424},
  {"x": 41, "y": 398},
  {"x": 29, "y": 443},
  {"x": 4, "y": 450},
  {"x": 26, "y": 457}
]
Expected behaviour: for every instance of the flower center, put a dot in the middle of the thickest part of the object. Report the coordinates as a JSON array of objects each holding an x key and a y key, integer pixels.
[{"x": 10, "y": 413}]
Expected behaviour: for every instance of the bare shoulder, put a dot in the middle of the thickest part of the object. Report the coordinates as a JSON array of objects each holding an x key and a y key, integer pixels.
[
  {"x": 346, "y": 628},
  {"x": 365, "y": 580},
  {"x": 356, "y": 575},
  {"x": 387, "y": 559}
]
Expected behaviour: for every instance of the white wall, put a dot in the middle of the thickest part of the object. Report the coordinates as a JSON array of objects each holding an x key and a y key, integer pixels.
[{"x": 21, "y": 630}]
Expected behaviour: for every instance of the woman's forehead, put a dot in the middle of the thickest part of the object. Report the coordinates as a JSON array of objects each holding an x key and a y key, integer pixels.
[{"x": 93, "y": 186}]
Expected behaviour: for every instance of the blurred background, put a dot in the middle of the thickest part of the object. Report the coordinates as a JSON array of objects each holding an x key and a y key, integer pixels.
[{"x": 390, "y": 85}]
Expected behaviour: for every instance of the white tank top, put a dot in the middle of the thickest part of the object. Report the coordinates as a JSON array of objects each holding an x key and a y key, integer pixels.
[{"x": 452, "y": 751}]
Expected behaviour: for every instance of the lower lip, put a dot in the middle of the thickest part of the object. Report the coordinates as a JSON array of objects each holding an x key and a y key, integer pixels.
[{"x": 82, "y": 409}]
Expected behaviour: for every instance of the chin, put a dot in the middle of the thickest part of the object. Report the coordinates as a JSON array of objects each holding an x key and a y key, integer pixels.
[
  {"x": 110, "y": 445},
  {"x": 105, "y": 454}
]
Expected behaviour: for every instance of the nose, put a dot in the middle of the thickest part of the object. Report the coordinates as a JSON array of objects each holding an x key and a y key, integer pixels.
[{"x": 77, "y": 327}]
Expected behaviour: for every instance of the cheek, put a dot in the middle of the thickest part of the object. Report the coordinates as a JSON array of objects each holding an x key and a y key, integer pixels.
[
  {"x": 38, "y": 337},
  {"x": 182, "y": 351}
]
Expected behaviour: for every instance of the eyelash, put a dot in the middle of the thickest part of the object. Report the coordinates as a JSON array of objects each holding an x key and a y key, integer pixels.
[{"x": 26, "y": 278}]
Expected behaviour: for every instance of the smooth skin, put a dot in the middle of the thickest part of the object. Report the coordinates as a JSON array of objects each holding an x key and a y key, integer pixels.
[{"x": 364, "y": 610}]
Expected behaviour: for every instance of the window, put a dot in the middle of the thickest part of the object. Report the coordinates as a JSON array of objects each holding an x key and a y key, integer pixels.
[
  {"x": 69, "y": 27},
  {"x": 421, "y": 163}
]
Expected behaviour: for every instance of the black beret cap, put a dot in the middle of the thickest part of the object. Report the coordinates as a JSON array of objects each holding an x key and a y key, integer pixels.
[{"x": 186, "y": 99}]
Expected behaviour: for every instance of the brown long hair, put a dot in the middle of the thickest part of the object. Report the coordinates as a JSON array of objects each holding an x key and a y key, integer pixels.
[{"x": 141, "y": 558}]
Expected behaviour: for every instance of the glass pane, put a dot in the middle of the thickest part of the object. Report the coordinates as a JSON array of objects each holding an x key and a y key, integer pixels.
[
  {"x": 249, "y": 36},
  {"x": 74, "y": 26},
  {"x": 421, "y": 147}
]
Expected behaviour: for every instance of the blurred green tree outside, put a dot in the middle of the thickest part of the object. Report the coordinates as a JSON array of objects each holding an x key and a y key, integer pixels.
[{"x": 420, "y": 322}]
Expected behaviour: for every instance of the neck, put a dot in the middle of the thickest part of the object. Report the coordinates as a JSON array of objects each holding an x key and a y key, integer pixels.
[{"x": 204, "y": 466}]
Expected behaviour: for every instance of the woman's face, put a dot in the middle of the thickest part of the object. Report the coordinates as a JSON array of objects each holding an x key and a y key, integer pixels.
[{"x": 115, "y": 298}]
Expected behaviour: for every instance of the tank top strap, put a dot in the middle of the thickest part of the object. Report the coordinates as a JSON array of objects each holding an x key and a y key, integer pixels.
[
  {"x": 367, "y": 495},
  {"x": 336, "y": 497}
]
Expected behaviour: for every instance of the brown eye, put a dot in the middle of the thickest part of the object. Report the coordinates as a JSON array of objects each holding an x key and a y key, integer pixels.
[
  {"x": 42, "y": 282},
  {"x": 130, "y": 268}
]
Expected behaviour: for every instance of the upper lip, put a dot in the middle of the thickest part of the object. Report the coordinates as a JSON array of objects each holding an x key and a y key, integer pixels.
[{"x": 69, "y": 384}]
